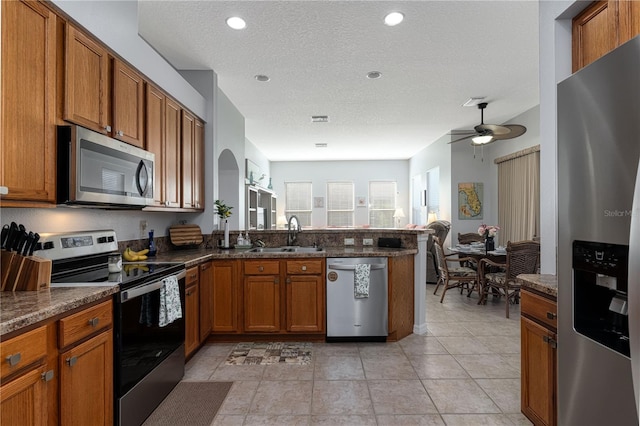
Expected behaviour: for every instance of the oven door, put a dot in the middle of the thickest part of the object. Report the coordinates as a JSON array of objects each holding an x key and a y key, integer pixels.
[{"x": 141, "y": 343}]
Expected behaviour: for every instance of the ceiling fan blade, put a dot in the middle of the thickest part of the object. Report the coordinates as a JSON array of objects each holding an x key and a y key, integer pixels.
[
  {"x": 464, "y": 138},
  {"x": 515, "y": 130},
  {"x": 492, "y": 129},
  {"x": 461, "y": 132}
]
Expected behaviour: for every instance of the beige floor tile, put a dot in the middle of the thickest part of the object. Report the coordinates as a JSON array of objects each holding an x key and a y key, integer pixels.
[
  {"x": 227, "y": 420},
  {"x": 459, "y": 396},
  {"x": 504, "y": 392},
  {"x": 513, "y": 360},
  {"x": 410, "y": 420},
  {"x": 335, "y": 349},
  {"x": 238, "y": 400},
  {"x": 501, "y": 344},
  {"x": 437, "y": 367},
  {"x": 338, "y": 368},
  {"x": 288, "y": 372},
  {"x": 400, "y": 397},
  {"x": 463, "y": 345},
  {"x": 284, "y": 397},
  {"x": 374, "y": 350},
  {"x": 216, "y": 349},
  {"x": 483, "y": 366},
  {"x": 494, "y": 328},
  {"x": 344, "y": 420},
  {"x": 477, "y": 419},
  {"x": 439, "y": 329},
  {"x": 519, "y": 419},
  {"x": 389, "y": 367},
  {"x": 202, "y": 369},
  {"x": 416, "y": 344},
  {"x": 237, "y": 372},
  {"x": 258, "y": 420},
  {"x": 340, "y": 397}
]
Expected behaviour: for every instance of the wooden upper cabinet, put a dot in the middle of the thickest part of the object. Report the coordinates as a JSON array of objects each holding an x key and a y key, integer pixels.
[
  {"x": 128, "y": 104},
  {"x": 198, "y": 166},
  {"x": 86, "y": 83},
  {"x": 27, "y": 129},
  {"x": 188, "y": 140},
  {"x": 601, "y": 27},
  {"x": 172, "y": 154},
  {"x": 154, "y": 134}
]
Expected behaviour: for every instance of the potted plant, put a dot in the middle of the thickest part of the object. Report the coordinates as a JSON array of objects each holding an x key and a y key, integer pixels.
[{"x": 224, "y": 212}]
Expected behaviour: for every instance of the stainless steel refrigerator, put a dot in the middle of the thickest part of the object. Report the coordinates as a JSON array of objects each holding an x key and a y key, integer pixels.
[{"x": 599, "y": 241}]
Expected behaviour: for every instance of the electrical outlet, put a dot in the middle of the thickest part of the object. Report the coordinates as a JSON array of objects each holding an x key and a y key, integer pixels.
[
  {"x": 143, "y": 228},
  {"x": 367, "y": 241},
  {"x": 349, "y": 242}
]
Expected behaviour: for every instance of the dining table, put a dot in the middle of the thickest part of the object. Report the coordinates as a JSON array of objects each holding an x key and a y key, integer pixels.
[{"x": 478, "y": 252}]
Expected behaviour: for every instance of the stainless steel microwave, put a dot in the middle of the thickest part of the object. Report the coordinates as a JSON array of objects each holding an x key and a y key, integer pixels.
[{"x": 95, "y": 170}]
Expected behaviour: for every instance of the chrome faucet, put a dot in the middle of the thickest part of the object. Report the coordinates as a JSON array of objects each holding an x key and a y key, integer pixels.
[{"x": 293, "y": 227}]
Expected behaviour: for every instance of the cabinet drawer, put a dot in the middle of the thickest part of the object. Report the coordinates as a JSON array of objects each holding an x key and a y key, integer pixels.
[
  {"x": 299, "y": 267},
  {"x": 261, "y": 267},
  {"x": 23, "y": 350},
  {"x": 192, "y": 276},
  {"x": 82, "y": 324},
  {"x": 540, "y": 308}
]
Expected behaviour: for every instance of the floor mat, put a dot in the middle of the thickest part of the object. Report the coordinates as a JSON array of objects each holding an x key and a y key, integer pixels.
[
  {"x": 266, "y": 353},
  {"x": 190, "y": 403}
]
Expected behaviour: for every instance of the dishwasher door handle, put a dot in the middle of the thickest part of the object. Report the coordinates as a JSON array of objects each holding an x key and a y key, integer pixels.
[{"x": 352, "y": 267}]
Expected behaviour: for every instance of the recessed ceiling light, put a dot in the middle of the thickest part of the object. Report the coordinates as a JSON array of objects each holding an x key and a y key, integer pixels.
[
  {"x": 236, "y": 23},
  {"x": 374, "y": 74},
  {"x": 261, "y": 77},
  {"x": 393, "y": 18}
]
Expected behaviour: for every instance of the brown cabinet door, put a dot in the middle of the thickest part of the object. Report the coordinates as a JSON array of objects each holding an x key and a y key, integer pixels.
[
  {"x": 224, "y": 297},
  {"x": 23, "y": 400},
  {"x": 192, "y": 317},
  {"x": 27, "y": 130},
  {"x": 206, "y": 303},
  {"x": 305, "y": 303},
  {"x": 594, "y": 32},
  {"x": 154, "y": 138},
  {"x": 198, "y": 168},
  {"x": 188, "y": 139},
  {"x": 128, "y": 104},
  {"x": 86, "y": 82},
  {"x": 261, "y": 303},
  {"x": 172, "y": 155},
  {"x": 86, "y": 382},
  {"x": 538, "y": 373},
  {"x": 629, "y": 12}
]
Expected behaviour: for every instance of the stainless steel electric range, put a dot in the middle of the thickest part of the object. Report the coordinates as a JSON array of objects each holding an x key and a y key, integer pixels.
[{"x": 148, "y": 357}]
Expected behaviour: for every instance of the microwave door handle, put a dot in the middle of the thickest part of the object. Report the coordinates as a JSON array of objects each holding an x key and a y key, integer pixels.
[
  {"x": 142, "y": 178},
  {"x": 634, "y": 290}
]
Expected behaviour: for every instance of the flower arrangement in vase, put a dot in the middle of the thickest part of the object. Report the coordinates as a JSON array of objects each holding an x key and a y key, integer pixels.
[
  {"x": 488, "y": 232},
  {"x": 224, "y": 212}
]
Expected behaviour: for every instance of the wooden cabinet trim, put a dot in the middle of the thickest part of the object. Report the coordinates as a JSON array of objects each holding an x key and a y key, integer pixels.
[
  {"x": 261, "y": 267},
  {"x": 81, "y": 325},
  {"x": 128, "y": 104},
  {"x": 306, "y": 266}
]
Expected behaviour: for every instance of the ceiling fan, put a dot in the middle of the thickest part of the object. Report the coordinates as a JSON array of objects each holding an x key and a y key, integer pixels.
[{"x": 484, "y": 134}]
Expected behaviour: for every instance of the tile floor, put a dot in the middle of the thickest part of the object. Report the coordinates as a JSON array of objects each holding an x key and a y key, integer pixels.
[{"x": 464, "y": 371}]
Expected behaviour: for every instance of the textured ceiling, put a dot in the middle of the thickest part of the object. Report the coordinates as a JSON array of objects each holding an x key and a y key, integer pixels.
[{"x": 317, "y": 54}]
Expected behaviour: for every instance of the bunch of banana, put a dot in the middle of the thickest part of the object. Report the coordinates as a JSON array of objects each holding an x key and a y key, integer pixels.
[{"x": 134, "y": 256}]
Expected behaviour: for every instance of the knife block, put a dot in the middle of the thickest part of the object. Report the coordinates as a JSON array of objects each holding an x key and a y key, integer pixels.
[
  {"x": 27, "y": 273},
  {"x": 5, "y": 267}
]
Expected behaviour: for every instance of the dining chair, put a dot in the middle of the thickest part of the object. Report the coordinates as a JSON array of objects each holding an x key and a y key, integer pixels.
[
  {"x": 454, "y": 276},
  {"x": 470, "y": 237},
  {"x": 500, "y": 278}
]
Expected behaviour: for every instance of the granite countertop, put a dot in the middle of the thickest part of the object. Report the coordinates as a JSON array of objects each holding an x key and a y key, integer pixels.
[
  {"x": 544, "y": 283},
  {"x": 24, "y": 308}
]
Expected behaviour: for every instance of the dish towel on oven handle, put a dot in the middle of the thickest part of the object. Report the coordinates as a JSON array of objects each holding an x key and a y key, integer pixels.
[
  {"x": 361, "y": 281},
  {"x": 170, "y": 306}
]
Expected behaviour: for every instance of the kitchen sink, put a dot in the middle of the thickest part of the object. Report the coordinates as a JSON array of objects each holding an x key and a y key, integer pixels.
[{"x": 286, "y": 249}]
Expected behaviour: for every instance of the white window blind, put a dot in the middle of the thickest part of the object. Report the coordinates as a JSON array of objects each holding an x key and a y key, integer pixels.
[
  {"x": 340, "y": 204},
  {"x": 298, "y": 198},
  {"x": 382, "y": 204}
]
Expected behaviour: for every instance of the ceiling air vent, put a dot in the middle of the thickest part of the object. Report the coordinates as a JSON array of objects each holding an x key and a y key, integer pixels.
[
  {"x": 319, "y": 118},
  {"x": 321, "y": 145}
]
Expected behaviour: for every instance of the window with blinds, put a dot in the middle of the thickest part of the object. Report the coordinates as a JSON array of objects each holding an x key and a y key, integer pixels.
[
  {"x": 340, "y": 202},
  {"x": 382, "y": 204},
  {"x": 298, "y": 199},
  {"x": 433, "y": 192}
]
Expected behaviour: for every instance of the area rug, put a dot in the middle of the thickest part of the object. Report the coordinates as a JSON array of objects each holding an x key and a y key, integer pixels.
[
  {"x": 190, "y": 403},
  {"x": 267, "y": 353}
]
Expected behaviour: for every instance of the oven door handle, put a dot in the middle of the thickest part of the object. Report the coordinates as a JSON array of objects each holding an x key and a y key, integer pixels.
[{"x": 130, "y": 294}]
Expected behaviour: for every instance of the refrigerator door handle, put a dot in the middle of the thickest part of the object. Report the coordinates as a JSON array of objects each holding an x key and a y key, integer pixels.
[{"x": 634, "y": 290}]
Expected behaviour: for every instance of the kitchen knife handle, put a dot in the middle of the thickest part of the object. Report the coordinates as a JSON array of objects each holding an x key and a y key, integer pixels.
[{"x": 36, "y": 238}]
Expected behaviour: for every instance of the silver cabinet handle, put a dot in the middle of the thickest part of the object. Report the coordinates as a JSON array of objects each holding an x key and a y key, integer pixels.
[
  {"x": 14, "y": 359},
  {"x": 304, "y": 267},
  {"x": 260, "y": 268},
  {"x": 550, "y": 341},
  {"x": 107, "y": 128},
  {"x": 47, "y": 376},
  {"x": 120, "y": 133},
  {"x": 72, "y": 361},
  {"x": 93, "y": 322},
  {"x": 552, "y": 315}
]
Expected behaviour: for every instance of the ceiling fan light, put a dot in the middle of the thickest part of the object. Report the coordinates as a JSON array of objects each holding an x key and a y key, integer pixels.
[{"x": 482, "y": 140}]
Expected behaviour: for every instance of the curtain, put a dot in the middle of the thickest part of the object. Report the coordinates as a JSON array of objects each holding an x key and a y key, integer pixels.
[{"x": 519, "y": 196}]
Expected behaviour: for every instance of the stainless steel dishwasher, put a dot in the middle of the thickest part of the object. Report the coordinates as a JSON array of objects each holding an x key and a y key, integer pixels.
[{"x": 356, "y": 318}]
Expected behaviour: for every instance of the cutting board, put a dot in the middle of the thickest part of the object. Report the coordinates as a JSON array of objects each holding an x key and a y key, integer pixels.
[{"x": 185, "y": 235}]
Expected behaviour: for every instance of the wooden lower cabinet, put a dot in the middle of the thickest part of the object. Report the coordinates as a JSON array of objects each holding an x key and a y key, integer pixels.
[
  {"x": 192, "y": 311},
  {"x": 539, "y": 359},
  {"x": 86, "y": 382},
  {"x": 305, "y": 296},
  {"x": 23, "y": 400},
  {"x": 206, "y": 305},
  {"x": 224, "y": 296},
  {"x": 262, "y": 303}
]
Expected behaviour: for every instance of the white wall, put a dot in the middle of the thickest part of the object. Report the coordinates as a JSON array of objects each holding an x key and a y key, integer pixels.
[
  {"x": 359, "y": 172},
  {"x": 258, "y": 158}
]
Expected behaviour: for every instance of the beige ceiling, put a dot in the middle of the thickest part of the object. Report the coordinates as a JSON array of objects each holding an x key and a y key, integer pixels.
[{"x": 317, "y": 55}]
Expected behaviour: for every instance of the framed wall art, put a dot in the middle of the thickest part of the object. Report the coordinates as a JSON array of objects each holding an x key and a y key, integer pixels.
[{"x": 470, "y": 200}]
